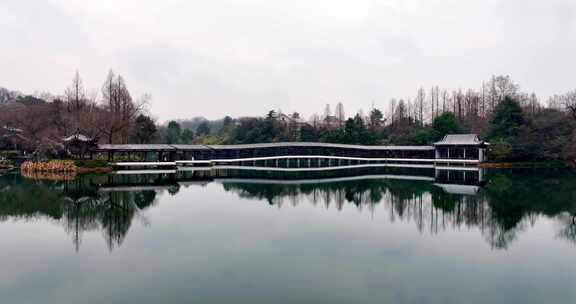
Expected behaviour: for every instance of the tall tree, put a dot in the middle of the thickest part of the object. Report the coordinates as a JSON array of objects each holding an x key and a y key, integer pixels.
[
  {"x": 203, "y": 128},
  {"x": 76, "y": 101},
  {"x": 376, "y": 119},
  {"x": 173, "y": 132},
  {"x": 76, "y": 94},
  {"x": 500, "y": 87},
  {"x": 569, "y": 102},
  {"x": 419, "y": 105},
  {"x": 392, "y": 110},
  {"x": 506, "y": 120},
  {"x": 119, "y": 110},
  {"x": 445, "y": 124},
  {"x": 187, "y": 136},
  {"x": 144, "y": 129},
  {"x": 355, "y": 132},
  {"x": 545, "y": 136}
]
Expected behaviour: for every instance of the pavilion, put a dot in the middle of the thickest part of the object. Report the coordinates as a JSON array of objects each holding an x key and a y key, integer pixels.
[{"x": 461, "y": 146}]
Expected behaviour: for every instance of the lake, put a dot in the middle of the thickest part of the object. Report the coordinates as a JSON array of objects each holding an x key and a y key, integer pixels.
[{"x": 372, "y": 235}]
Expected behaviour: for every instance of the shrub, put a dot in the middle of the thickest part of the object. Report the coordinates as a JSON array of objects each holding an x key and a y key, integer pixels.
[
  {"x": 49, "y": 166},
  {"x": 500, "y": 150}
]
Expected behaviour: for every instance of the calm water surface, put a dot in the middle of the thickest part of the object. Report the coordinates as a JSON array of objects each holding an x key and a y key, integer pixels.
[{"x": 371, "y": 238}]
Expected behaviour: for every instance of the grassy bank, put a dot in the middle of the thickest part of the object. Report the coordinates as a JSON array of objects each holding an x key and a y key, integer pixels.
[{"x": 93, "y": 166}]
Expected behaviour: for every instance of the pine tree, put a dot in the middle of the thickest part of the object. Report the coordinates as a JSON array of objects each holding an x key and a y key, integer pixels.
[{"x": 506, "y": 120}]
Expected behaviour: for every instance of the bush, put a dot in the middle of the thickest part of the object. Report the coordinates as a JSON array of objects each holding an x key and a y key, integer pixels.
[
  {"x": 49, "y": 166},
  {"x": 500, "y": 150}
]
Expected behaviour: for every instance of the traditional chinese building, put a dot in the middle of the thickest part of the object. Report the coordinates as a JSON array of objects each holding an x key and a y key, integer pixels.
[
  {"x": 461, "y": 147},
  {"x": 79, "y": 145}
]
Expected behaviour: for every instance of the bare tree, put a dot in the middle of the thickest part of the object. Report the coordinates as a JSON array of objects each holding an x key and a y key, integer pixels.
[
  {"x": 315, "y": 120},
  {"x": 75, "y": 101},
  {"x": 392, "y": 110},
  {"x": 76, "y": 94},
  {"x": 119, "y": 110},
  {"x": 419, "y": 105},
  {"x": 498, "y": 87},
  {"x": 401, "y": 111},
  {"x": 434, "y": 101},
  {"x": 569, "y": 101},
  {"x": 445, "y": 101}
]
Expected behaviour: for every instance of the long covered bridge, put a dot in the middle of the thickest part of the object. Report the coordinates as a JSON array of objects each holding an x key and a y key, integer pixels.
[{"x": 464, "y": 149}]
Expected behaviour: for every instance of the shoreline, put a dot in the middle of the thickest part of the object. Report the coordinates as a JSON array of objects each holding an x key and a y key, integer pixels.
[
  {"x": 85, "y": 170},
  {"x": 513, "y": 165}
]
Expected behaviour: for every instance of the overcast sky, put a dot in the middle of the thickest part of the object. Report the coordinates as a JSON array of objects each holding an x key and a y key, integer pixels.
[{"x": 242, "y": 57}]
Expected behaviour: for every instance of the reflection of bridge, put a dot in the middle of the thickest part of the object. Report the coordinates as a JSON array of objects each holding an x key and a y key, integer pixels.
[
  {"x": 460, "y": 150},
  {"x": 458, "y": 180}
]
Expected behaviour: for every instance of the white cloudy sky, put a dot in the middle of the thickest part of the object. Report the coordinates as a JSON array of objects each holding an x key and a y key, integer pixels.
[{"x": 243, "y": 57}]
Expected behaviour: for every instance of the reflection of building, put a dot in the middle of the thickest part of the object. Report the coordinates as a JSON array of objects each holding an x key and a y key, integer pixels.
[{"x": 461, "y": 146}]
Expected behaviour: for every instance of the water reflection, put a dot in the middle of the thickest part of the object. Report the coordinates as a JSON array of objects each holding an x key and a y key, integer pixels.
[
  {"x": 78, "y": 204},
  {"x": 500, "y": 204},
  {"x": 509, "y": 203}
]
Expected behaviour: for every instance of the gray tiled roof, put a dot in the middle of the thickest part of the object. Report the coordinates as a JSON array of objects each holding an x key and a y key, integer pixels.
[
  {"x": 460, "y": 139},
  {"x": 79, "y": 137},
  {"x": 322, "y": 145},
  {"x": 156, "y": 147},
  {"x": 136, "y": 147}
]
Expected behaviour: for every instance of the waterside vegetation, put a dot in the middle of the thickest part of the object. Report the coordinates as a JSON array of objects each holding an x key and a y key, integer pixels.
[{"x": 65, "y": 166}]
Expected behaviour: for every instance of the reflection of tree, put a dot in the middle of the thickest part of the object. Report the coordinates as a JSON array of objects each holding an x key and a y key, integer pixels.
[
  {"x": 22, "y": 199},
  {"x": 115, "y": 217},
  {"x": 79, "y": 217},
  {"x": 110, "y": 212},
  {"x": 517, "y": 197},
  {"x": 78, "y": 204},
  {"x": 511, "y": 202},
  {"x": 567, "y": 223}
]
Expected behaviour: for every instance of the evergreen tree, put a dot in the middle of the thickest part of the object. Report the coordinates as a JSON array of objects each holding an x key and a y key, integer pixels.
[
  {"x": 203, "y": 128},
  {"x": 187, "y": 136},
  {"x": 355, "y": 132},
  {"x": 506, "y": 120},
  {"x": 376, "y": 118},
  {"x": 309, "y": 134},
  {"x": 445, "y": 124},
  {"x": 173, "y": 133},
  {"x": 144, "y": 129}
]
